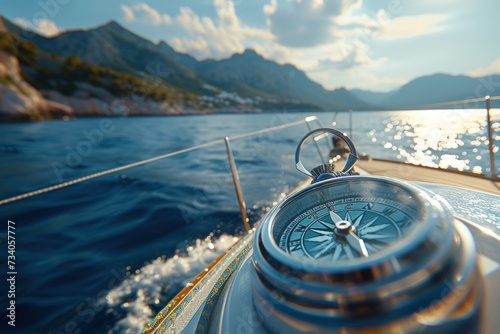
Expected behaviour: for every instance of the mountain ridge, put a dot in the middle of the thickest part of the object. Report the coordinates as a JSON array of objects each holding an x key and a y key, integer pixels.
[
  {"x": 429, "y": 90},
  {"x": 111, "y": 45},
  {"x": 247, "y": 74}
]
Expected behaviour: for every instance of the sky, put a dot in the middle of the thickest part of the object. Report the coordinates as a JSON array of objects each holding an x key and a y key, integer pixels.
[{"x": 376, "y": 45}]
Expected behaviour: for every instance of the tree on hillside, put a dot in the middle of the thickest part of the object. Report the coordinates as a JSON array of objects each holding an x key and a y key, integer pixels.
[{"x": 25, "y": 51}]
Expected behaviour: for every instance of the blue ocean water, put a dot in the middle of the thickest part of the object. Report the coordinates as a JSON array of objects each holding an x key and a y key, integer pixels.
[{"x": 105, "y": 255}]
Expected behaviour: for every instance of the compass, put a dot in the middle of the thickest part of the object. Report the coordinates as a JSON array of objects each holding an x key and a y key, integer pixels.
[
  {"x": 367, "y": 219},
  {"x": 353, "y": 252}
]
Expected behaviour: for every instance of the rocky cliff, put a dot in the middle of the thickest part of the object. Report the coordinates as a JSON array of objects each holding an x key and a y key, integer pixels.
[{"x": 19, "y": 100}]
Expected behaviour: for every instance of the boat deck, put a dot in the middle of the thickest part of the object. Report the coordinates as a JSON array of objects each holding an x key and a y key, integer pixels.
[{"x": 410, "y": 172}]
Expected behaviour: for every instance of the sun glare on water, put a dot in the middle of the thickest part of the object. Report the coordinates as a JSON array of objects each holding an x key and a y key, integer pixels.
[{"x": 454, "y": 139}]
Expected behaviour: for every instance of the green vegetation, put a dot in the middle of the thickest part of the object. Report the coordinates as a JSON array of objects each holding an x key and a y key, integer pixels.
[
  {"x": 25, "y": 51},
  {"x": 49, "y": 71},
  {"x": 71, "y": 70},
  {"x": 6, "y": 43},
  {"x": 74, "y": 70}
]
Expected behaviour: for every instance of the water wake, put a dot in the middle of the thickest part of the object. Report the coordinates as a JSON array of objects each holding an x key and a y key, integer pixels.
[{"x": 137, "y": 299}]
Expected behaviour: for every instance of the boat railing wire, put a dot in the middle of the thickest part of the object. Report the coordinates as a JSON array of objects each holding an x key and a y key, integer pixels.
[
  {"x": 221, "y": 141},
  {"x": 489, "y": 126},
  {"x": 459, "y": 104},
  {"x": 307, "y": 120}
]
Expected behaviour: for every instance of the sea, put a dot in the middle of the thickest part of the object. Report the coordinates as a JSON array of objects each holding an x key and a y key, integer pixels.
[{"x": 105, "y": 255}]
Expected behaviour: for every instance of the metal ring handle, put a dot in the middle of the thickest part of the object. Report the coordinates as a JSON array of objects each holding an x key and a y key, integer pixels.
[{"x": 351, "y": 160}]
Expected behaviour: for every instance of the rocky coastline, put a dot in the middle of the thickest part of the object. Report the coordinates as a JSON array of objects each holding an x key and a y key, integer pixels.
[{"x": 19, "y": 101}]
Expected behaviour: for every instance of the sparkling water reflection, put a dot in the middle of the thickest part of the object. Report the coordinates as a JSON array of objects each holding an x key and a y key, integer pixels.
[
  {"x": 438, "y": 138},
  {"x": 133, "y": 234}
]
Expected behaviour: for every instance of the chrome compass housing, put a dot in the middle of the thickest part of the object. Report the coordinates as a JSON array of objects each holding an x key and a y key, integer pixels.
[{"x": 353, "y": 253}]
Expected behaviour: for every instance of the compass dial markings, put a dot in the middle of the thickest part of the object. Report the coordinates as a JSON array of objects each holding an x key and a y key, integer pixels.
[
  {"x": 301, "y": 228},
  {"x": 404, "y": 222},
  {"x": 377, "y": 221},
  {"x": 371, "y": 247},
  {"x": 369, "y": 223},
  {"x": 357, "y": 220},
  {"x": 322, "y": 231},
  {"x": 319, "y": 246},
  {"x": 388, "y": 211},
  {"x": 376, "y": 236},
  {"x": 348, "y": 252},
  {"x": 337, "y": 253},
  {"x": 326, "y": 249},
  {"x": 348, "y": 217},
  {"x": 293, "y": 244},
  {"x": 327, "y": 225},
  {"x": 320, "y": 238},
  {"x": 369, "y": 206},
  {"x": 372, "y": 229}
]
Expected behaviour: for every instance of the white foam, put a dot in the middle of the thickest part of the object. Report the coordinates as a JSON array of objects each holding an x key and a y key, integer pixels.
[{"x": 137, "y": 294}]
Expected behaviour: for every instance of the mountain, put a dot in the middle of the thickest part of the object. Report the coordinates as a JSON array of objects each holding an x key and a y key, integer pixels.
[
  {"x": 115, "y": 47},
  {"x": 182, "y": 58},
  {"x": 439, "y": 88},
  {"x": 251, "y": 73},
  {"x": 377, "y": 98},
  {"x": 246, "y": 79},
  {"x": 425, "y": 91}
]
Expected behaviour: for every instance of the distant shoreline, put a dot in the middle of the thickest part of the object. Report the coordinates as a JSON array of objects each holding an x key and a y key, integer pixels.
[{"x": 3, "y": 120}]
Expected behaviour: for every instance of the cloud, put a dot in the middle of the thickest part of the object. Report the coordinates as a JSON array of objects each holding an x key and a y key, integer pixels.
[
  {"x": 351, "y": 54},
  {"x": 333, "y": 65},
  {"x": 325, "y": 36},
  {"x": 218, "y": 37},
  {"x": 365, "y": 79},
  {"x": 352, "y": 59},
  {"x": 128, "y": 12},
  {"x": 196, "y": 45},
  {"x": 43, "y": 27},
  {"x": 225, "y": 34},
  {"x": 301, "y": 24},
  {"x": 412, "y": 26},
  {"x": 271, "y": 8},
  {"x": 332, "y": 41},
  {"x": 493, "y": 68},
  {"x": 145, "y": 13}
]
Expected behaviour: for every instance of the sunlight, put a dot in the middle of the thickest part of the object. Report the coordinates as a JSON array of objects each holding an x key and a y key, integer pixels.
[{"x": 433, "y": 133}]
